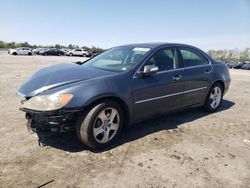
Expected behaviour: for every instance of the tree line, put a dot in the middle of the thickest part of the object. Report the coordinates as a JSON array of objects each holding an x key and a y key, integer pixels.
[
  {"x": 219, "y": 55},
  {"x": 8, "y": 45},
  {"x": 231, "y": 55}
]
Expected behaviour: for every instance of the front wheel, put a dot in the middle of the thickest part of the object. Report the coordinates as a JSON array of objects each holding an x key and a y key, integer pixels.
[
  {"x": 214, "y": 98},
  {"x": 101, "y": 125}
]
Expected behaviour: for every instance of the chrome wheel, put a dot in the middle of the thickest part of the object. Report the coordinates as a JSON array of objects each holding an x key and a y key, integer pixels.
[
  {"x": 106, "y": 125},
  {"x": 215, "y": 97}
]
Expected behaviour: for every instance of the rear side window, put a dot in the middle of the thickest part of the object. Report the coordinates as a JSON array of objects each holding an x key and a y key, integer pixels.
[{"x": 192, "y": 58}]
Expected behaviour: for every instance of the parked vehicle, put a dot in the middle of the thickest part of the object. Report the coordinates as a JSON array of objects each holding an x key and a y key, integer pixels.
[
  {"x": 230, "y": 65},
  {"x": 246, "y": 66},
  {"x": 238, "y": 65},
  {"x": 20, "y": 51},
  {"x": 64, "y": 50},
  {"x": 41, "y": 50},
  {"x": 122, "y": 86},
  {"x": 51, "y": 51},
  {"x": 78, "y": 52},
  {"x": 37, "y": 50}
]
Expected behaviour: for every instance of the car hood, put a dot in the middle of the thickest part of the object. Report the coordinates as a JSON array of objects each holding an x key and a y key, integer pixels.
[{"x": 58, "y": 75}]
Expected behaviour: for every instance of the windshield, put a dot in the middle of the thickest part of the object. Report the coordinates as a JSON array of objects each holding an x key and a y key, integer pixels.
[{"x": 118, "y": 59}]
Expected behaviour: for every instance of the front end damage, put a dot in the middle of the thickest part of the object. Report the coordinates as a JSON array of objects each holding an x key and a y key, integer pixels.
[
  {"x": 47, "y": 124},
  {"x": 57, "y": 121}
]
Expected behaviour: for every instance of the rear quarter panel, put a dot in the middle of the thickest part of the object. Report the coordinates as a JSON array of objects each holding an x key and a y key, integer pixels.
[{"x": 221, "y": 73}]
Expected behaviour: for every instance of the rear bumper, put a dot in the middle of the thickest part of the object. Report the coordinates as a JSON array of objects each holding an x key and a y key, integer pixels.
[{"x": 56, "y": 121}]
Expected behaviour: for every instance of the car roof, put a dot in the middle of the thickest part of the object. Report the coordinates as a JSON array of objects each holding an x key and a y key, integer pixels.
[{"x": 156, "y": 45}]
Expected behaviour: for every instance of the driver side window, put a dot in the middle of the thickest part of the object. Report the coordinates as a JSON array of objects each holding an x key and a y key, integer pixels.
[{"x": 165, "y": 59}]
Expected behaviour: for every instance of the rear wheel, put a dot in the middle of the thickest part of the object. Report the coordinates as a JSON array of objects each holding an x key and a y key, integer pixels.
[
  {"x": 214, "y": 98},
  {"x": 29, "y": 53},
  {"x": 101, "y": 125},
  {"x": 70, "y": 54},
  {"x": 14, "y": 53}
]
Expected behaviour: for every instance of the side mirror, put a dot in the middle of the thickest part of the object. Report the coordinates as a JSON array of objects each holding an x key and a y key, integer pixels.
[{"x": 148, "y": 70}]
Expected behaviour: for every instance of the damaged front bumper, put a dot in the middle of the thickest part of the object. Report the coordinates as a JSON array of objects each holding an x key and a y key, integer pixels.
[{"x": 56, "y": 121}]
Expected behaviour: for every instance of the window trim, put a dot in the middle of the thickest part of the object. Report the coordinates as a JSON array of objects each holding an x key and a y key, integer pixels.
[{"x": 181, "y": 66}]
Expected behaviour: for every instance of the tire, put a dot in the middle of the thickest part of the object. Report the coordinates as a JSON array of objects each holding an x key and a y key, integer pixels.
[
  {"x": 93, "y": 127},
  {"x": 70, "y": 54},
  {"x": 14, "y": 53},
  {"x": 214, "y": 97},
  {"x": 29, "y": 53},
  {"x": 83, "y": 55}
]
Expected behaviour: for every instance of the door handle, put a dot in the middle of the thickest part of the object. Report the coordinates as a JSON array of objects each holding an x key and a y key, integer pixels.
[
  {"x": 208, "y": 71},
  {"x": 177, "y": 77}
]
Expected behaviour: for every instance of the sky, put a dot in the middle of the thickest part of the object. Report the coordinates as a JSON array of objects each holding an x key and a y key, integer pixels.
[{"x": 207, "y": 24}]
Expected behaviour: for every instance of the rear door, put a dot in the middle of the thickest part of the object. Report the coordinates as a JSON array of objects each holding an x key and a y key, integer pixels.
[
  {"x": 197, "y": 75},
  {"x": 161, "y": 92}
]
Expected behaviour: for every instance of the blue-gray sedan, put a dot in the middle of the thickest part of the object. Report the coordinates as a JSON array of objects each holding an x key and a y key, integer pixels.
[{"x": 122, "y": 86}]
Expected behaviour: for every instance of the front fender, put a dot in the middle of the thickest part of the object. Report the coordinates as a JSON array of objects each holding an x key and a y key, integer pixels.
[{"x": 89, "y": 91}]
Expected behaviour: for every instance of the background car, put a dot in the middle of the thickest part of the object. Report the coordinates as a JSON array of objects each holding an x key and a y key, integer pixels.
[
  {"x": 64, "y": 50},
  {"x": 51, "y": 51},
  {"x": 246, "y": 66},
  {"x": 238, "y": 65},
  {"x": 78, "y": 52},
  {"x": 20, "y": 51},
  {"x": 230, "y": 65},
  {"x": 41, "y": 50},
  {"x": 37, "y": 50}
]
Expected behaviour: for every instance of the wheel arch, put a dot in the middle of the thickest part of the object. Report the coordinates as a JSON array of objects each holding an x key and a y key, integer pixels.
[
  {"x": 220, "y": 82},
  {"x": 120, "y": 101}
]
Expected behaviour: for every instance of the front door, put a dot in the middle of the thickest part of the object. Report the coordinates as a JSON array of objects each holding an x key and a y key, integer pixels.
[{"x": 161, "y": 92}]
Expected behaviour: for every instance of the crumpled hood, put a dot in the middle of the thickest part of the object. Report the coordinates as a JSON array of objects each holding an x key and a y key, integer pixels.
[{"x": 58, "y": 75}]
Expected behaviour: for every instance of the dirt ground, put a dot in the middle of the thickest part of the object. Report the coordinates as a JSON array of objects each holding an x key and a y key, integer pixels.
[{"x": 186, "y": 149}]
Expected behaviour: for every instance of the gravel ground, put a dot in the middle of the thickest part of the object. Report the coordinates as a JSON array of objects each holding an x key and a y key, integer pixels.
[{"x": 186, "y": 149}]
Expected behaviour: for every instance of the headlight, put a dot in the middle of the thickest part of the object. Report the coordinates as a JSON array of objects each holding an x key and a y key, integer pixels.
[{"x": 47, "y": 102}]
